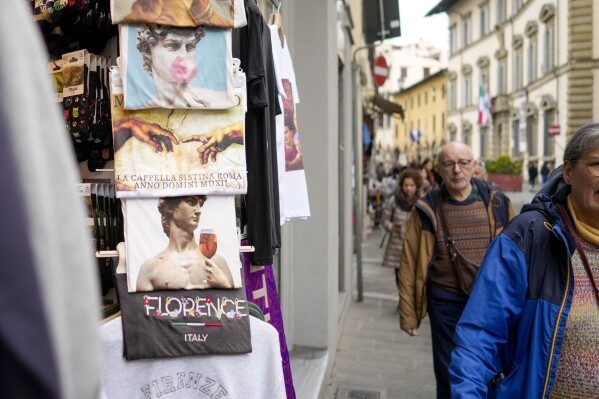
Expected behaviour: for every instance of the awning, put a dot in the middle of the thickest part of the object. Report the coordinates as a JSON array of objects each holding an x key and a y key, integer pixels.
[
  {"x": 442, "y": 6},
  {"x": 387, "y": 106}
]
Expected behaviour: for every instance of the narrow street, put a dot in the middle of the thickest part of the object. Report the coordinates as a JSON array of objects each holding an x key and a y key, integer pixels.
[{"x": 375, "y": 359}]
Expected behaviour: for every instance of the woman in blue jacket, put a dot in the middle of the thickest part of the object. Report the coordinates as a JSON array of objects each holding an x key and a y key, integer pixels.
[{"x": 531, "y": 326}]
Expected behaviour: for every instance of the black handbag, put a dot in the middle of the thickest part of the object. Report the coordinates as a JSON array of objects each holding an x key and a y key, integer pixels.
[{"x": 465, "y": 270}]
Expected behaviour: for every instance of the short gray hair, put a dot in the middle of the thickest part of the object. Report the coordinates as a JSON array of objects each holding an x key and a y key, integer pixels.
[
  {"x": 585, "y": 138},
  {"x": 451, "y": 143}
]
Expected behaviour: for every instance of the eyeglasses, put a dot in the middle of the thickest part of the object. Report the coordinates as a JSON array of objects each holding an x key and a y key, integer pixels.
[
  {"x": 592, "y": 167},
  {"x": 464, "y": 164}
]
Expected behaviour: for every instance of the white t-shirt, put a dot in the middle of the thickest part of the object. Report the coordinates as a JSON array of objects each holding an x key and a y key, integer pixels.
[
  {"x": 293, "y": 191},
  {"x": 255, "y": 375}
]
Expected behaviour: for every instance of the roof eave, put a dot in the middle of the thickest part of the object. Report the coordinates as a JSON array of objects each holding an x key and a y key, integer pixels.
[{"x": 442, "y": 6}]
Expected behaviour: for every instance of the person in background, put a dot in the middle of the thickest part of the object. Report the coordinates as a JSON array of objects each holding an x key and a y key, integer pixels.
[
  {"x": 429, "y": 172},
  {"x": 395, "y": 216},
  {"x": 428, "y": 282},
  {"x": 379, "y": 171},
  {"x": 545, "y": 170},
  {"x": 531, "y": 328},
  {"x": 479, "y": 172},
  {"x": 533, "y": 172},
  {"x": 426, "y": 186}
]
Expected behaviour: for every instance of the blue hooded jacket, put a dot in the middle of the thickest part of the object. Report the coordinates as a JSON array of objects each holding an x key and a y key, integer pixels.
[{"x": 515, "y": 319}]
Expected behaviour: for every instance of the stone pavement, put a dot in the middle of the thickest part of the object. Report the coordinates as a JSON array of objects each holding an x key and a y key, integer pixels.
[{"x": 375, "y": 359}]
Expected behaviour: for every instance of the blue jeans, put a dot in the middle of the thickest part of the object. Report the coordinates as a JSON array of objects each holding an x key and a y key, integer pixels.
[{"x": 444, "y": 315}]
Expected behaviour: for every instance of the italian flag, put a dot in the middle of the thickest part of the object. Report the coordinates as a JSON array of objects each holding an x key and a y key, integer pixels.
[{"x": 484, "y": 107}]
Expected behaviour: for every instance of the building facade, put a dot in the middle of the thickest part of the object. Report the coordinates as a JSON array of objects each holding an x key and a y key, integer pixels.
[
  {"x": 408, "y": 65},
  {"x": 536, "y": 59},
  {"x": 422, "y": 132}
]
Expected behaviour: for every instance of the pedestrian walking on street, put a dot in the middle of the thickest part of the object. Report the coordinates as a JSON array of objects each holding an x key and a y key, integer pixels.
[
  {"x": 436, "y": 268},
  {"x": 545, "y": 172},
  {"x": 533, "y": 172},
  {"x": 531, "y": 327},
  {"x": 395, "y": 216}
]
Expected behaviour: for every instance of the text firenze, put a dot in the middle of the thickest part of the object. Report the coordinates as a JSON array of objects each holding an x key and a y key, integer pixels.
[
  {"x": 195, "y": 307},
  {"x": 186, "y": 381}
]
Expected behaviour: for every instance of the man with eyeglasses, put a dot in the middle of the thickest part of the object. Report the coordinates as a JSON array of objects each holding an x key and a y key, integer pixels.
[{"x": 473, "y": 214}]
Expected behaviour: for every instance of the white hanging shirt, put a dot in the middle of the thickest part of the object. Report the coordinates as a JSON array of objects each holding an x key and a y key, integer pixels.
[
  {"x": 293, "y": 191},
  {"x": 256, "y": 375}
]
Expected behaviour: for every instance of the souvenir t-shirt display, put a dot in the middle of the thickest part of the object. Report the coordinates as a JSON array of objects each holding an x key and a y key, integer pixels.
[
  {"x": 169, "y": 67},
  {"x": 172, "y": 323},
  {"x": 295, "y": 204},
  {"x": 187, "y": 242},
  {"x": 162, "y": 152},
  {"x": 260, "y": 213},
  {"x": 255, "y": 375},
  {"x": 217, "y": 13}
]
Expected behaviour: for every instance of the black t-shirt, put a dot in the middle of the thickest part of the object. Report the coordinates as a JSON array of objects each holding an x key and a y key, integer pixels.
[{"x": 260, "y": 213}]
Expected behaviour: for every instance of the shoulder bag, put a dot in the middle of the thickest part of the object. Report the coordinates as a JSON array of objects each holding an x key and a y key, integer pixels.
[{"x": 465, "y": 270}]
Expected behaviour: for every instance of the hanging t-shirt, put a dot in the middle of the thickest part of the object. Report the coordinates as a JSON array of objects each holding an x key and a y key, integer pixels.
[
  {"x": 255, "y": 375},
  {"x": 260, "y": 214},
  {"x": 162, "y": 152},
  {"x": 175, "y": 323},
  {"x": 293, "y": 189},
  {"x": 169, "y": 67},
  {"x": 187, "y": 242},
  {"x": 217, "y": 13}
]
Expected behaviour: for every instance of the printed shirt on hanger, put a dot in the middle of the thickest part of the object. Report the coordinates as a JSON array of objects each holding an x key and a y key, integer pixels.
[
  {"x": 161, "y": 152},
  {"x": 162, "y": 324},
  {"x": 252, "y": 375},
  {"x": 186, "y": 242},
  {"x": 217, "y": 13},
  {"x": 169, "y": 67},
  {"x": 293, "y": 190}
]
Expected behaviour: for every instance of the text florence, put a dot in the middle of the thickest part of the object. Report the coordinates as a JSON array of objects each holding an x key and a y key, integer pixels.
[{"x": 194, "y": 307}]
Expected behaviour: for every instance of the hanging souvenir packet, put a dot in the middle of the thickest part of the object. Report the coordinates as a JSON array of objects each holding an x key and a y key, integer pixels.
[
  {"x": 185, "y": 242},
  {"x": 164, "y": 324},
  {"x": 55, "y": 70},
  {"x": 162, "y": 152},
  {"x": 169, "y": 67},
  {"x": 75, "y": 78},
  {"x": 183, "y": 13}
]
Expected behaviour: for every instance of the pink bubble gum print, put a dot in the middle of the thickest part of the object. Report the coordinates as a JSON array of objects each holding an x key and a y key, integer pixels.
[{"x": 184, "y": 69}]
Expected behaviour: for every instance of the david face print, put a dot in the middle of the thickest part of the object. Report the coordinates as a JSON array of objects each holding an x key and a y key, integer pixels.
[{"x": 171, "y": 67}]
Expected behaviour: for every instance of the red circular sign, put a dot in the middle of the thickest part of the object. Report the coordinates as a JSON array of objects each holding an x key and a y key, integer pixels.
[{"x": 381, "y": 70}]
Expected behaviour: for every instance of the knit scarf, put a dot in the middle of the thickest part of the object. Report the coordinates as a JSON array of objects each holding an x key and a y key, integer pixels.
[
  {"x": 406, "y": 204},
  {"x": 585, "y": 231}
]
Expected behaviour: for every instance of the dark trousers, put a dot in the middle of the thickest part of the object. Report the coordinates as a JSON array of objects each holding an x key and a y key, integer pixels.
[{"x": 444, "y": 315}]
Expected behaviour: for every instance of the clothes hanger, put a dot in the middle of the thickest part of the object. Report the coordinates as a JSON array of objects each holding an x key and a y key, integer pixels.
[{"x": 276, "y": 19}]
